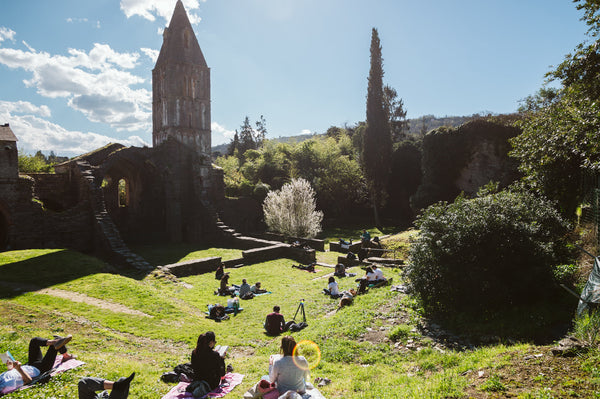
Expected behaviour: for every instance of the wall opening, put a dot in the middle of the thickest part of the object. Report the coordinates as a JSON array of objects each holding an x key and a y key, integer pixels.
[{"x": 123, "y": 191}]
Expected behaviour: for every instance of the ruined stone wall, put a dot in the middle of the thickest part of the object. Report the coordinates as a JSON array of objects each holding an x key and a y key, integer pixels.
[
  {"x": 243, "y": 214},
  {"x": 32, "y": 226},
  {"x": 56, "y": 191}
]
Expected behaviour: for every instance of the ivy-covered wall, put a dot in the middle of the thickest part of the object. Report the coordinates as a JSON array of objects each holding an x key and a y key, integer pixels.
[{"x": 462, "y": 159}]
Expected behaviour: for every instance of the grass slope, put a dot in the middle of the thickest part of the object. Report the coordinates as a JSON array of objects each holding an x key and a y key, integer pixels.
[{"x": 357, "y": 353}]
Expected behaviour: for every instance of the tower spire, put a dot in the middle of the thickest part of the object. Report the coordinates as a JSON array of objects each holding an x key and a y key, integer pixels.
[{"x": 181, "y": 88}]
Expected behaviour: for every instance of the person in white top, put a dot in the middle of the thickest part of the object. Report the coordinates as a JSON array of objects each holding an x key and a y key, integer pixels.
[
  {"x": 332, "y": 288},
  {"x": 378, "y": 273},
  {"x": 290, "y": 372}
]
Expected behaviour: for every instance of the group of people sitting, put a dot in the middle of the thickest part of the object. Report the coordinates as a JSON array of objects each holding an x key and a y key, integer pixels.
[
  {"x": 39, "y": 366},
  {"x": 244, "y": 291},
  {"x": 373, "y": 276}
]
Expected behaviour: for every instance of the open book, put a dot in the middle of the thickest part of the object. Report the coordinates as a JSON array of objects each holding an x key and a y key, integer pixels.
[
  {"x": 222, "y": 349},
  {"x": 6, "y": 356}
]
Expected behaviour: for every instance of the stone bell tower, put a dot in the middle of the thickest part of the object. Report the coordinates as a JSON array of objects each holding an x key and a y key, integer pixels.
[{"x": 181, "y": 89}]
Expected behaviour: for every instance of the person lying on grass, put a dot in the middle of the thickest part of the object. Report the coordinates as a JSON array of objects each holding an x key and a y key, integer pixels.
[
  {"x": 256, "y": 289},
  {"x": 88, "y": 386},
  {"x": 19, "y": 374},
  {"x": 207, "y": 363}
]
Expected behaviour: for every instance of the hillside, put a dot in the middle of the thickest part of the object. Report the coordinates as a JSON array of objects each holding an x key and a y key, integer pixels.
[
  {"x": 416, "y": 126},
  {"x": 380, "y": 347}
]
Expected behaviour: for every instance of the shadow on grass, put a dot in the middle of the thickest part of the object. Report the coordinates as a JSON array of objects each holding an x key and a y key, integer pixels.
[
  {"x": 166, "y": 254},
  {"x": 540, "y": 324},
  {"x": 24, "y": 271}
]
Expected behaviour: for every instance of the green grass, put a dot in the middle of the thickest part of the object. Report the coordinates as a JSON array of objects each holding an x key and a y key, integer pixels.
[{"x": 114, "y": 344}]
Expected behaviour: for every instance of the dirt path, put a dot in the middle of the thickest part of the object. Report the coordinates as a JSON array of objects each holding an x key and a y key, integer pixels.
[{"x": 75, "y": 297}]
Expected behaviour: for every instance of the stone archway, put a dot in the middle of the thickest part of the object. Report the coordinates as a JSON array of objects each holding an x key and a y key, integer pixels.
[{"x": 134, "y": 196}]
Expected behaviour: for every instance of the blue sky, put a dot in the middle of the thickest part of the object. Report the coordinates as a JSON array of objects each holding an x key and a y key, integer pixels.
[{"x": 76, "y": 74}]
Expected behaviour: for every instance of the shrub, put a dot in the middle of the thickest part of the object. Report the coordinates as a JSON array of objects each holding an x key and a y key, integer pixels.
[
  {"x": 291, "y": 210},
  {"x": 490, "y": 252}
]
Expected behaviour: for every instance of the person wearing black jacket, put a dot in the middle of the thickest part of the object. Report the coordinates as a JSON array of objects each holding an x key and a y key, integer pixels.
[{"x": 207, "y": 364}]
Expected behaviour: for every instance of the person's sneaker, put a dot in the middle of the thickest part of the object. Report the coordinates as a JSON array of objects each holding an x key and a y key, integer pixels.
[
  {"x": 121, "y": 386},
  {"x": 62, "y": 341}
]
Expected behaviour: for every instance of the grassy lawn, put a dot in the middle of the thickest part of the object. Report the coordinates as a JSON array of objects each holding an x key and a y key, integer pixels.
[{"x": 366, "y": 348}]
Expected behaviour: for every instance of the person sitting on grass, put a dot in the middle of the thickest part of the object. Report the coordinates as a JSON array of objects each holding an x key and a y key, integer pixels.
[
  {"x": 275, "y": 322},
  {"x": 207, "y": 363},
  {"x": 332, "y": 288},
  {"x": 225, "y": 289},
  {"x": 378, "y": 274},
  {"x": 255, "y": 289},
  {"x": 88, "y": 386},
  {"x": 290, "y": 372},
  {"x": 365, "y": 237},
  {"x": 19, "y": 374},
  {"x": 245, "y": 290},
  {"x": 340, "y": 270},
  {"x": 365, "y": 281}
]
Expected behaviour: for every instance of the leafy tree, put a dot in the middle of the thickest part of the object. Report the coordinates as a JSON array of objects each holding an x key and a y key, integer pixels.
[
  {"x": 487, "y": 253},
  {"x": 34, "y": 163},
  {"x": 377, "y": 141},
  {"x": 291, "y": 211},
  {"x": 248, "y": 138},
  {"x": 394, "y": 107},
  {"x": 561, "y": 127}
]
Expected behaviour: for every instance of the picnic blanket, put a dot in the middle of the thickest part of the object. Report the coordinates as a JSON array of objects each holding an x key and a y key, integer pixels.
[
  {"x": 58, "y": 367},
  {"x": 229, "y": 381}
]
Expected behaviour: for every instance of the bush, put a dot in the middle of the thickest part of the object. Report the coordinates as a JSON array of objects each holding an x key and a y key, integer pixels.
[{"x": 490, "y": 252}]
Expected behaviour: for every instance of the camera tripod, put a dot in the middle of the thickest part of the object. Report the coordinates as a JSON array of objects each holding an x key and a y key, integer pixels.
[{"x": 300, "y": 308}]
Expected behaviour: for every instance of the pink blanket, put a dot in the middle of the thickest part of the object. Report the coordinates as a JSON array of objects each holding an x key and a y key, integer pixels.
[
  {"x": 60, "y": 366},
  {"x": 229, "y": 381}
]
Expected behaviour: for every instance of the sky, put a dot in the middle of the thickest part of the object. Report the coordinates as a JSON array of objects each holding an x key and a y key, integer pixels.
[{"x": 77, "y": 74}]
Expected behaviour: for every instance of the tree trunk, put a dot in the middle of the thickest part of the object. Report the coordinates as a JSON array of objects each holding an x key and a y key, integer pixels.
[{"x": 376, "y": 213}]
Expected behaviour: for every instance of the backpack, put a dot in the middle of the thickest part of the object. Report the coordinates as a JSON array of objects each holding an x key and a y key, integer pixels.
[{"x": 198, "y": 389}]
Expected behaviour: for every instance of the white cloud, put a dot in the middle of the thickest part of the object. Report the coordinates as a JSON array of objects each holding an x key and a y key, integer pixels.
[
  {"x": 151, "y": 53},
  {"x": 305, "y": 131},
  {"x": 151, "y": 9},
  {"x": 220, "y": 134},
  {"x": 36, "y": 133},
  {"x": 6, "y": 34},
  {"x": 72, "y": 20},
  {"x": 95, "y": 83}
]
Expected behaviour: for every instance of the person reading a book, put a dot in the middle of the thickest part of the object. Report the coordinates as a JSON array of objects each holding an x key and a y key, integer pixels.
[
  {"x": 290, "y": 372},
  {"x": 88, "y": 386},
  {"x": 207, "y": 363},
  {"x": 256, "y": 288},
  {"x": 19, "y": 374}
]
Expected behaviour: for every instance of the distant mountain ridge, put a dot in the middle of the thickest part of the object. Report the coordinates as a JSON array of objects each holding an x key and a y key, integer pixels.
[{"x": 424, "y": 123}]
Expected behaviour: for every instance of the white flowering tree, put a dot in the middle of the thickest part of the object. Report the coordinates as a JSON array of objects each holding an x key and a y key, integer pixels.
[{"x": 291, "y": 211}]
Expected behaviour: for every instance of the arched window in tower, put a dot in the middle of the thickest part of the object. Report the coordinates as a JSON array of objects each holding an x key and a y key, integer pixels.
[
  {"x": 123, "y": 190},
  {"x": 203, "y": 113}
]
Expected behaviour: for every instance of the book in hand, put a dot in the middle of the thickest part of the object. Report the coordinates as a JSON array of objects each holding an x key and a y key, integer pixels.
[
  {"x": 6, "y": 356},
  {"x": 222, "y": 349}
]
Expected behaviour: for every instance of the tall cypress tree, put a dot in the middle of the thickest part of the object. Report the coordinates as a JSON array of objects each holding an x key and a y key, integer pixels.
[{"x": 377, "y": 142}]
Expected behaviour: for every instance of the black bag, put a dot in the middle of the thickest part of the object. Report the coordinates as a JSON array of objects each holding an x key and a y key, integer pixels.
[
  {"x": 297, "y": 327},
  {"x": 198, "y": 389}
]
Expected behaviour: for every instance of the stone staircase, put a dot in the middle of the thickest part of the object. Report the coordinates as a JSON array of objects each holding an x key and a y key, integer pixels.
[{"x": 108, "y": 237}]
